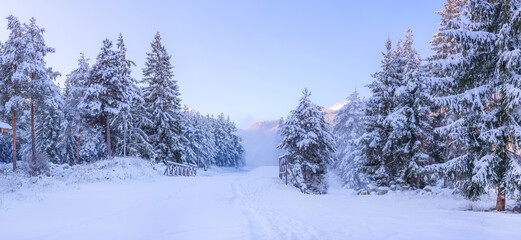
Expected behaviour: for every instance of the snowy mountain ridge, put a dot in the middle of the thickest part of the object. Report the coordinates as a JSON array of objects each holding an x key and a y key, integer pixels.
[
  {"x": 264, "y": 126},
  {"x": 271, "y": 126}
]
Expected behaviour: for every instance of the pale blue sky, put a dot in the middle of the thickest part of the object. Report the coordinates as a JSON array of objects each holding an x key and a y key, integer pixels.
[{"x": 248, "y": 59}]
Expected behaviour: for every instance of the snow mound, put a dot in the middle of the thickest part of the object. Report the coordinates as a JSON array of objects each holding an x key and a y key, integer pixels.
[{"x": 115, "y": 169}]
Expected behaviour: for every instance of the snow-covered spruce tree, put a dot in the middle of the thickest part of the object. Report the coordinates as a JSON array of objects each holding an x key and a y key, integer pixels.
[
  {"x": 410, "y": 119},
  {"x": 349, "y": 126},
  {"x": 202, "y": 148},
  {"x": 223, "y": 142},
  {"x": 443, "y": 45},
  {"x": 128, "y": 137},
  {"x": 483, "y": 88},
  {"x": 210, "y": 145},
  {"x": 25, "y": 77},
  {"x": 236, "y": 150},
  {"x": 80, "y": 141},
  {"x": 14, "y": 82},
  {"x": 70, "y": 138},
  {"x": 138, "y": 140},
  {"x": 108, "y": 91},
  {"x": 49, "y": 117},
  {"x": 229, "y": 151},
  {"x": 376, "y": 146},
  {"x": 162, "y": 101},
  {"x": 192, "y": 134},
  {"x": 442, "y": 148},
  {"x": 43, "y": 94},
  {"x": 309, "y": 147}
]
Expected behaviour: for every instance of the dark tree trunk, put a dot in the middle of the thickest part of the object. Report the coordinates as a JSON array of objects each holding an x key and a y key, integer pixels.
[
  {"x": 14, "y": 130},
  {"x": 79, "y": 144},
  {"x": 109, "y": 149},
  {"x": 14, "y": 140},
  {"x": 33, "y": 143},
  {"x": 500, "y": 204}
]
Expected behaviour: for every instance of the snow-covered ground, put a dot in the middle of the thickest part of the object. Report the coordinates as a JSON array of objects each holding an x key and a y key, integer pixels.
[{"x": 140, "y": 203}]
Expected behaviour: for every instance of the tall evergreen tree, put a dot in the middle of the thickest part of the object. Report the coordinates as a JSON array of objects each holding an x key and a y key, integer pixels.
[
  {"x": 376, "y": 144},
  {"x": 26, "y": 77},
  {"x": 108, "y": 90},
  {"x": 129, "y": 137},
  {"x": 349, "y": 126},
  {"x": 483, "y": 89},
  {"x": 79, "y": 139},
  {"x": 200, "y": 149},
  {"x": 444, "y": 48},
  {"x": 162, "y": 100},
  {"x": 14, "y": 81},
  {"x": 414, "y": 124},
  {"x": 42, "y": 91},
  {"x": 309, "y": 147},
  {"x": 442, "y": 44},
  {"x": 49, "y": 117}
]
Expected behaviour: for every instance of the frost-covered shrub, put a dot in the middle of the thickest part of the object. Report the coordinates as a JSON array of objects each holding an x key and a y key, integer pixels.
[{"x": 37, "y": 165}]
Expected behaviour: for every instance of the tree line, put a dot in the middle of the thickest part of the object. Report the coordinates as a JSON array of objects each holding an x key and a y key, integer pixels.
[
  {"x": 452, "y": 119},
  {"x": 102, "y": 111}
]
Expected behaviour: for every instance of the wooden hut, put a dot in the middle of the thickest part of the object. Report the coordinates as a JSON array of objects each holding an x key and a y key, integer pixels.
[{"x": 4, "y": 127}]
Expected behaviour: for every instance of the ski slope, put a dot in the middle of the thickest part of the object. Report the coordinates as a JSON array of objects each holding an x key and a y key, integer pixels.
[{"x": 239, "y": 204}]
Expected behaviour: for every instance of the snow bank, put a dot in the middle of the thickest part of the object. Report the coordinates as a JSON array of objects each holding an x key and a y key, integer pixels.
[{"x": 115, "y": 169}]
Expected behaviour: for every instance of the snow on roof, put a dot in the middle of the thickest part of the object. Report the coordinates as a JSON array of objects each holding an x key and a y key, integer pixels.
[{"x": 5, "y": 125}]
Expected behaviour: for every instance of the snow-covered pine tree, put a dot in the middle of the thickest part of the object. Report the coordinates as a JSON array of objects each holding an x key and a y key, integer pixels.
[
  {"x": 162, "y": 101},
  {"x": 229, "y": 151},
  {"x": 349, "y": 126},
  {"x": 26, "y": 77},
  {"x": 14, "y": 82},
  {"x": 410, "y": 119},
  {"x": 444, "y": 47},
  {"x": 107, "y": 91},
  {"x": 223, "y": 142},
  {"x": 236, "y": 151},
  {"x": 80, "y": 140},
  {"x": 138, "y": 140},
  {"x": 191, "y": 133},
  {"x": 200, "y": 147},
  {"x": 484, "y": 90},
  {"x": 70, "y": 139},
  {"x": 209, "y": 142},
  {"x": 376, "y": 146},
  {"x": 309, "y": 147},
  {"x": 42, "y": 93},
  {"x": 128, "y": 137},
  {"x": 49, "y": 117}
]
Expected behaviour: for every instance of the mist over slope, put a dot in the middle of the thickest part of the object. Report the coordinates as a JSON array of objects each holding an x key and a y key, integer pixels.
[{"x": 260, "y": 144}]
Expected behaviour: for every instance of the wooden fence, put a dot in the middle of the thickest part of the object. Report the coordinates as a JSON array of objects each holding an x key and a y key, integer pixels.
[
  {"x": 283, "y": 170},
  {"x": 178, "y": 169}
]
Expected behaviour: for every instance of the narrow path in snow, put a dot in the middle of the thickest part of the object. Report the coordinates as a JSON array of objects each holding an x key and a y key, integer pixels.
[{"x": 265, "y": 222}]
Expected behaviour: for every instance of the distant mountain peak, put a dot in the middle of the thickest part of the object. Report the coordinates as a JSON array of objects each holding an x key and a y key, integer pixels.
[
  {"x": 331, "y": 111},
  {"x": 271, "y": 126},
  {"x": 338, "y": 105},
  {"x": 265, "y": 126}
]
